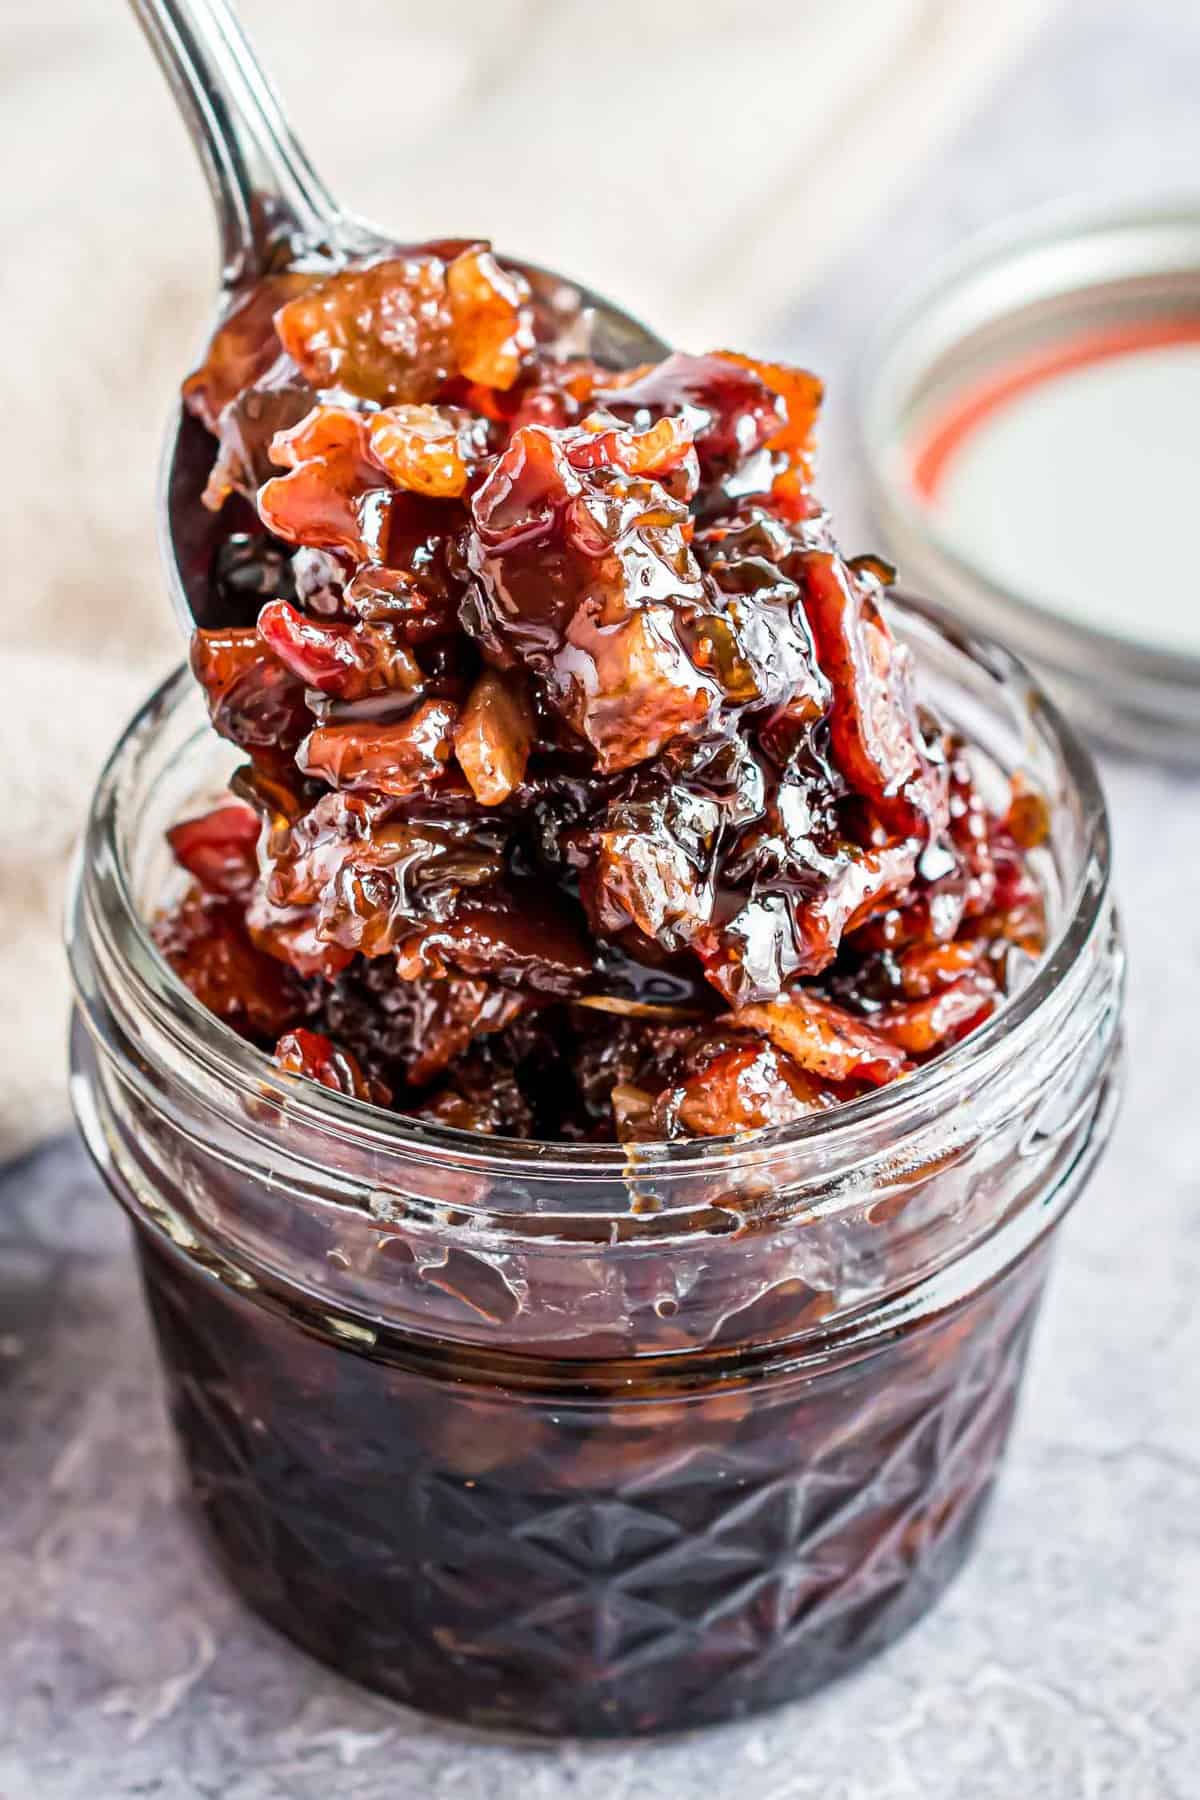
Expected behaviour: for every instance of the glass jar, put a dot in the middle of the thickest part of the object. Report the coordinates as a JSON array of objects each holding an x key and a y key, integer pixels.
[{"x": 567, "y": 1438}]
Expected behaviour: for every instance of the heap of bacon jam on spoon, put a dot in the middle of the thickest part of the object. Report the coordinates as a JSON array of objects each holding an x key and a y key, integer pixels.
[{"x": 586, "y": 793}]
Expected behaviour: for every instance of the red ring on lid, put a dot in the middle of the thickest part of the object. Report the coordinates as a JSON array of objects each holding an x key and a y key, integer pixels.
[{"x": 938, "y": 442}]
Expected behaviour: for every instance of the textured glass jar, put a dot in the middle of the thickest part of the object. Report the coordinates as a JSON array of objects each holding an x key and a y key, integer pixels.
[{"x": 568, "y": 1439}]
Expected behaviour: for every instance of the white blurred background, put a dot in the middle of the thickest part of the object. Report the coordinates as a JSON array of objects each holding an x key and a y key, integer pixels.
[{"x": 703, "y": 161}]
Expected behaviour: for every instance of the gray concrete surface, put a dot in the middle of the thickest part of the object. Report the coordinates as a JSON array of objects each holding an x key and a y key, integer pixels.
[{"x": 1065, "y": 1665}]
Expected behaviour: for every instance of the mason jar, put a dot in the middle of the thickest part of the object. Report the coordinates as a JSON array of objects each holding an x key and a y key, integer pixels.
[{"x": 562, "y": 1438}]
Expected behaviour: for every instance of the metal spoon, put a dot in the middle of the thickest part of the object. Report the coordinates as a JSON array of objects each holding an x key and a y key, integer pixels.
[{"x": 273, "y": 211}]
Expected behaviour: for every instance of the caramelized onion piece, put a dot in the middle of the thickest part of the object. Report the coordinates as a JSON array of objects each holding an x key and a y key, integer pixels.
[
  {"x": 335, "y": 496},
  {"x": 494, "y": 735},
  {"x": 382, "y": 332},
  {"x": 662, "y": 1010},
  {"x": 491, "y": 328},
  {"x": 422, "y": 448}
]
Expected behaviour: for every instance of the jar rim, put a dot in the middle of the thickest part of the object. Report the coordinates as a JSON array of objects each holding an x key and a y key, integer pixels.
[{"x": 102, "y": 911}]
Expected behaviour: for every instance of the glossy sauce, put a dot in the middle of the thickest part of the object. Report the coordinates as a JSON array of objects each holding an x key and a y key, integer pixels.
[{"x": 593, "y": 793}]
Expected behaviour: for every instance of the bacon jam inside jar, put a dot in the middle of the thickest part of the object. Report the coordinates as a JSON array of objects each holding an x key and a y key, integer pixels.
[{"x": 596, "y": 1102}]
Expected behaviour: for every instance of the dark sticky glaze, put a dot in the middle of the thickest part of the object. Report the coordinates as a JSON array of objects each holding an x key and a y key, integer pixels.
[{"x": 587, "y": 794}]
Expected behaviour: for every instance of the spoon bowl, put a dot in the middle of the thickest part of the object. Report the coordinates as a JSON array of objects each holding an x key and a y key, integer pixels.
[{"x": 273, "y": 213}]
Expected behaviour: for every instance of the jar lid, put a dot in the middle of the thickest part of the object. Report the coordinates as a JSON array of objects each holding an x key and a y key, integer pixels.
[{"x": 1029, "y": 428}]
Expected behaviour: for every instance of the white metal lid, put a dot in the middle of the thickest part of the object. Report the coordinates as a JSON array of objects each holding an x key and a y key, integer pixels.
[{"x": 1031, "y": 430}]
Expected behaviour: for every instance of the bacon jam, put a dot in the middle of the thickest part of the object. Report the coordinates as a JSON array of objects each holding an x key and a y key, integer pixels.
[{"x": 586, "y": 791}]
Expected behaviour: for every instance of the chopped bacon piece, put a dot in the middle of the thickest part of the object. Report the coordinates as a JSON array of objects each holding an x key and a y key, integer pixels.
[
  {"x": 873, "y": 720},
  {"x": 204, "y": 939},
  {"x": 823, "y": 1038},
  {"x": 926, "y": 1025},
  {"x": 405, "y": 758},
  {"x": 311, "y": 1054},
  {"x": 252, "y": 699},
  {"x": 346, "y": 661},
  {"x": 746, "y": 1088},
  {"x": 219, "y": 849}
]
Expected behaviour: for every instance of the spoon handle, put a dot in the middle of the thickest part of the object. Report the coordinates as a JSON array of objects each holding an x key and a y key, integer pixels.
[{"x": 263, "y": 186}]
